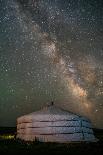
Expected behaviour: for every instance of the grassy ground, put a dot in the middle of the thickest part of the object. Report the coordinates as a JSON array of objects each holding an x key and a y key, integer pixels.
[{"x": 13, "y": 146}]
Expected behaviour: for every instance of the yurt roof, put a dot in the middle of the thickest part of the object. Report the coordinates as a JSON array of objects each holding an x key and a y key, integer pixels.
[{"x": 53, "y": 110}]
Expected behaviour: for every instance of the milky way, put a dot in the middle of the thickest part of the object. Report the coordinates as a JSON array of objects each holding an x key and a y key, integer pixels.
[{"x": 51, "y": 50}]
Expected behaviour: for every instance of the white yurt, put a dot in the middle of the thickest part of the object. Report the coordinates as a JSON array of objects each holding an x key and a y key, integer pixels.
[{"x": 53, "y": 124}]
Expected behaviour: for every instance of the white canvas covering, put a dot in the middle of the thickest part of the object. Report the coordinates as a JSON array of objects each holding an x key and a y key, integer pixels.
[{"x": 52, "y": 124}]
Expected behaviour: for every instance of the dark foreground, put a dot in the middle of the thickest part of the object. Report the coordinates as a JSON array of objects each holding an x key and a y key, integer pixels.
[{"x": 14, "y": 146}]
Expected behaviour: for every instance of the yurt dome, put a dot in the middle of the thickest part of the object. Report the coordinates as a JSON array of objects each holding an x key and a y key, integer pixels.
[{"x": 53, "y": 124}]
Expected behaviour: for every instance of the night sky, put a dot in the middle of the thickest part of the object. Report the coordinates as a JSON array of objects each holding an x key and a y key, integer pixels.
[{"x": 51, "y": 50}]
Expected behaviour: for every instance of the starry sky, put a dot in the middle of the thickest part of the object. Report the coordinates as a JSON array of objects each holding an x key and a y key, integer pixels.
[{"x": 51, "y": 50}]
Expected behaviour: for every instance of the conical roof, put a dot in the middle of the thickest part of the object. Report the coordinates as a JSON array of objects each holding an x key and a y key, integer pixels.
[
  {"x": 51, "y": 109},
  {"x": 52, "y": 113}
]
